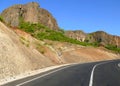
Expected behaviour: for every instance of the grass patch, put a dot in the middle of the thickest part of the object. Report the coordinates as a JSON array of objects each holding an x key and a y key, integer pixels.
[
  {"x": 113, "y": 48},
  {"x": 25, "y": 42}
]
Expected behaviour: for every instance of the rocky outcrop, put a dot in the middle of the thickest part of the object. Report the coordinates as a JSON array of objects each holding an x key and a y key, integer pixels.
[
  {"x": 30, "y": 12},
  {"x": 78, "y": 34},
  {"x": 104, "y": 38},
  {"x": 100, "y": 37}
]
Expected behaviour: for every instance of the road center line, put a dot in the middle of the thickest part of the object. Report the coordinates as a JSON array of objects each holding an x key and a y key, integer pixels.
[{"x": 92, "y": 73}]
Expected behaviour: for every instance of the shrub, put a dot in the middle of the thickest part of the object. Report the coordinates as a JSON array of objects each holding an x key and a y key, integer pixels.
[
  {"x": 40, "y": 48},
  {"x": 25, "y": 41},
  {"x": 113, "y": 48},
  {"x": 27, "y": 27},
  {"x": 1, "y": 19}
]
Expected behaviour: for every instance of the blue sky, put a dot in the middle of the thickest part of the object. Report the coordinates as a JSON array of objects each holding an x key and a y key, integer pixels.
[{"x": 86, "y": 15}]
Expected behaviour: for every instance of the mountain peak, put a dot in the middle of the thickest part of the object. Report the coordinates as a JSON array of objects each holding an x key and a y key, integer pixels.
[
  {"x": 30, "y": 12},
  {"x": 33, "y": 4}
]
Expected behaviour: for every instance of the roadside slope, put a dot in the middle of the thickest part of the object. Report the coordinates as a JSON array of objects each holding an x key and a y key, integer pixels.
[
  {"x": 71, "y": 53},
  {"x": 88, "y": 54},
  {"x": 20, "y": 53},
  {"x": 15, "y": 58}
]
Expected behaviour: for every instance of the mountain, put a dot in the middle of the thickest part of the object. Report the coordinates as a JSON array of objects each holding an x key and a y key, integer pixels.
[
  {"x": 100, "y": 37},
  {"x": 78, "y": 35},
  {"x": 30, "y": 12},
  {"x": 105, "y": 38}
]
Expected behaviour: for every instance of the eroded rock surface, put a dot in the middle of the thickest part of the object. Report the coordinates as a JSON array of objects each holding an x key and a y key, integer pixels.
[{"x": 30, "y": 12}]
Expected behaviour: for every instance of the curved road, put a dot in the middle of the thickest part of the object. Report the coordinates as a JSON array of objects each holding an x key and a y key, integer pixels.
[{"x": 104, "y": 73}]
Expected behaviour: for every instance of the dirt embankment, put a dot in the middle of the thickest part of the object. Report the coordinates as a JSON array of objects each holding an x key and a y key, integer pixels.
[
  {"x": 88, "y": 54},
  {"x": 70, "y": 53},
  {"x": 16, "y": 56}
]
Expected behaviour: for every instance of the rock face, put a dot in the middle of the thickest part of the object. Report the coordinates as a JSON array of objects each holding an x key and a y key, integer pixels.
[
  {"x": 30, "y": 12},
  {"x": 99, "y": 36},
  {"x": 105, "y": 38},
  {"x": 79, "y": 35}
]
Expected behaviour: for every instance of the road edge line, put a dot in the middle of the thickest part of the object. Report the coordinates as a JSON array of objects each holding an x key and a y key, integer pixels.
[{"x": 44, "y": 75}]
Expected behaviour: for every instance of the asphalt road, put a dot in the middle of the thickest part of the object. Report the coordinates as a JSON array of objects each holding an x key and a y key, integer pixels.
[{"x": 105, "y": 73}]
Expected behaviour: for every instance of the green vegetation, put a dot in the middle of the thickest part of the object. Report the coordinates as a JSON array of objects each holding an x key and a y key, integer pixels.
[
  {"x": 25, "y": 41},
  {"x": 113, "y": 48},
  {"x": 1, "y": 19},
  {"x": 62, "y": 30},
  {"x": 40, "y": 48},
  {"x": 42, "y": 32}
]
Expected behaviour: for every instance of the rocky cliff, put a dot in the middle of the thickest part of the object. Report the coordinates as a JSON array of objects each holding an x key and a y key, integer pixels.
[
  {"x": 78, "y": 34},
  {"x": 98, "y": 36},
  {"x": 104, "y": 38},
  {"x": 33, "y": 13},
  {"x": 30, "y": 12}
]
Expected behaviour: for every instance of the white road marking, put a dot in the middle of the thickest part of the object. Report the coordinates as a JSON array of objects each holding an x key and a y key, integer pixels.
[
  {"x": 92, "y": 73},
  {"x": 118, "y": 64},
  {"x": 42, "y": 76}
]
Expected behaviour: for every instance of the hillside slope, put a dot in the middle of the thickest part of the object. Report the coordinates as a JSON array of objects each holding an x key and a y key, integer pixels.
[
  {"x": 15, "y": 58},
  {"x": 20, "y": 52},
  {"x": 72, "y": 53},
  {"x": 99, "y": 37}
]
